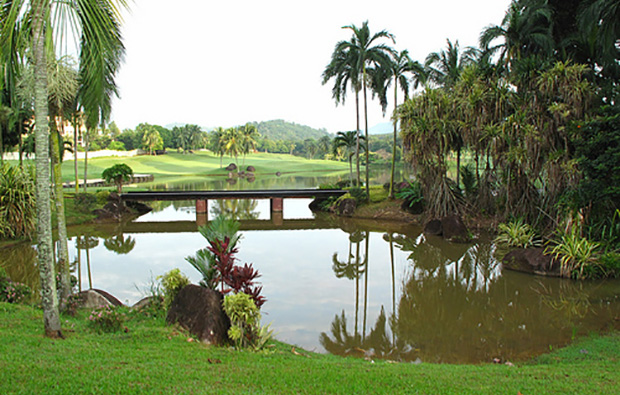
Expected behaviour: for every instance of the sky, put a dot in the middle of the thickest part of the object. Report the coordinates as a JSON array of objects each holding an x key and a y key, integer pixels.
[{"x": 229, "y": 62}]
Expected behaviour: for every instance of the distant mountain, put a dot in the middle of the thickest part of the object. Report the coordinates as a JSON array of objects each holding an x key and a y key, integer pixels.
[
  {"x": 381, "y": 128},
  {"x": 282, "y": 130}
]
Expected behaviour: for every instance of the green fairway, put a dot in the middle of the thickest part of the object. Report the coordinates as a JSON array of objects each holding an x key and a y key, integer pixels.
[
  {"x": 154, "y": 358},
  {"x": 203, "y": 164}
]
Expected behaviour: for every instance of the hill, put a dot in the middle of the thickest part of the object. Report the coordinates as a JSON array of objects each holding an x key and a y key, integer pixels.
[{"x": 282, "y": 130}]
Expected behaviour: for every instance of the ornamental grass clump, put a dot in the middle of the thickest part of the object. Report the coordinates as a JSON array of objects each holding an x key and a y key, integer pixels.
[
  {"x": 517, "y": 234},
  {"x": 578, "y": 256},
  {"x": 107, "y": 319}
]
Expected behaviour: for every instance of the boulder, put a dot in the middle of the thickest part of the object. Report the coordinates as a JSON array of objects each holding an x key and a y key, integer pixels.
[
  {"x": 346, "y": 207},
  {"x": 278, "y": 174},
  {"x": 533, "y": 261},
  {"x": 96, "y": 298},
  {"x": 433, "y": 228},
  {"x": 199, "y": 310},
  {"x": 251, "y": 169},
  {"x": 231, "y": 167},
  {"x": 454, "y": 229}
]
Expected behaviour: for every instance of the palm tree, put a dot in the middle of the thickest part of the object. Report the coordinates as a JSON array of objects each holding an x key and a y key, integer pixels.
[
  {"x": 217, "y": 144},
  {"x": 400, "y": 66},
  {"x": 341, "y": 68},
  {"x": 249, "y": 135},
  {"x": 233, "y": 142},
  {"x": 152, "y": 140},
  {"x": 445, "y": 66},
  {"x": 100, "y": 51},
  {"x": 366, "y": 54},
  {"x": 348, "y": 141},
  {"x": 525, "y": 31}
]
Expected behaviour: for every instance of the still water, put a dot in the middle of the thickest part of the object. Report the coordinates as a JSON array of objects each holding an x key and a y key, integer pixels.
[{"x": 351, "y": 287}]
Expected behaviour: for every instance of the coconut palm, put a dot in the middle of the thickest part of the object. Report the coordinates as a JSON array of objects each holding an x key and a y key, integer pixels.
[
  {"x": 217, "y": 144},
  {"x": 43, "y": 24},
  {"x": 249, "y": 135},
  {"x": 152, "y": 140},
  {"x": 233, "y": 142}
]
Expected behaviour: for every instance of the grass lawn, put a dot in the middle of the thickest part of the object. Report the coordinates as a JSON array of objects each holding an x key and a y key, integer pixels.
[
  {"x": 154, "y": 358},
  {"x": 202, "y": 164}
]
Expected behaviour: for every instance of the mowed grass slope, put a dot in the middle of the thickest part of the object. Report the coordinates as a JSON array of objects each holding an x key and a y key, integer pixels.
[
  {"x": 203, "y": 164},
  {"x": 157, "y": 359}
]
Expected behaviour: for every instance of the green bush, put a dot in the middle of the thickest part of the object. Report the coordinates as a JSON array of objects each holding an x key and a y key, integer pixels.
[
  {"x": 359, "y": 195},
  {"x": 245, "y": 329},
  {"x": 17, "y": 202},
  {"x": 610, "y": 264},
  {"x": 12, "y": 292},
  {"x": 172, "y": 283},
  {"x": 107, "y": 319},
  {"x": 102, "y": 197},
  {"x": 517, "y": 234},
  {"x": 85, "y": 202}
]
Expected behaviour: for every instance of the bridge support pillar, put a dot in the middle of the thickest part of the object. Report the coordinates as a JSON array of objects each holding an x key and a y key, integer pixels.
[
  {"x": 277, "y": 218},
  {"x": 277, "y": 204},
  {"x": 202, "y": 207},
  {"x": 201, "y": 219}
]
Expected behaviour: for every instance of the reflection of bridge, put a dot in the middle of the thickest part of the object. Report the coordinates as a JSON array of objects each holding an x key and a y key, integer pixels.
[
  {"x": 253, "y": 224},
  {"x": 276, "y": 196}
]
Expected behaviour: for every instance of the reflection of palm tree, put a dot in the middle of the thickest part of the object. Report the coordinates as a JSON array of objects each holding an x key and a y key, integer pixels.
[
  {"x": 87, "y": 242},
  {"x": 237, "y": 209},
  {"x": 343, "y": 343},
  {"x": 119, "y": 244}
]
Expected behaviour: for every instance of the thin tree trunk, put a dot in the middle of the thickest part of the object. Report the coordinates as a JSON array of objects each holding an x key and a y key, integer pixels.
[
  {"x": 357, "y": 286},
  {"x": 86, "y": 142},
  {"x": 357, "y": 135},
  {"x": 49, "y": 299},
  {"x": 21, "y": 145},
  {"x": 75, "y": 151},
  {"x": 391, "y": 193},
  {"x": 63, "y": 262},
  {"x": 391, "y": 238},
  {"x": 367, "y": 141},
  {"x": 90, "y": 276},
  {"x": 366, "y": 264},
  {"x": 79, "y": 266}
]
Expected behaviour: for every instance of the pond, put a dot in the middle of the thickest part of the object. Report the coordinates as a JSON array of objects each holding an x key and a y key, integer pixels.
[{"x": 349, "y": 287}]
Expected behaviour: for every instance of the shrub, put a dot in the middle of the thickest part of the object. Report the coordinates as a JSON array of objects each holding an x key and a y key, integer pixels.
[
  {"x": 217, "y": 262},
  {"x": 102, "y": 197},
  {"x": 106, "y": 319},
  {"x": 17, "y": 203},
  {"x": 172, "y": 283},
  {"x": 610, "y": 264},
  {"x": 517, "y": 234},
  {"x": 359, "y": 195},
  {"x": 577, "y": 255},
  {"x": 85, "y": 202},
  {"x": 411, "y": 193},
  {"x": 245, "y": 329},
  {"x": 12, "y": 292},
  {"x": 118, "y": 174}
]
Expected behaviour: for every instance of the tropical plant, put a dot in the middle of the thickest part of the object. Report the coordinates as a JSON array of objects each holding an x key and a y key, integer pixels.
[
  {"x": 411, "y": 194},
  {"x": 107, "y": 319},
  {"x": 222, "y": 236},
  {"x": 350, "y": 143},
  {"x": 117, "y": 174},
  {"x": 577, "y": 254},
  {"x": 152, "y": 141},
  {"x": 17, "y": 203},
  {"x": 245, "y": 329},
  {"x": 517, "y": 234},
  {"x": 172, "y": 283},
  {"x": 35, "y": 24}
]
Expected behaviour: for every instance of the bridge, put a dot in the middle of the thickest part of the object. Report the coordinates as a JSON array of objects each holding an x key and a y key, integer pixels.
[{"x": 276, "y": 197}]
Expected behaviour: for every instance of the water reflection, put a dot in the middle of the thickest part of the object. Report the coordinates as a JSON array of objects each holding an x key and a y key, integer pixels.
[{"x": 382, "y": 290}]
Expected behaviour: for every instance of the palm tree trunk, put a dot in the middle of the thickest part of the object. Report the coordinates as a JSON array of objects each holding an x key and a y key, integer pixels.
[
  {"x": 90, "y": 277},
  {"x": 63, "y": 262},
  {"x": 391, "y": 193},
  {"x": 393, "y": 283},
  {"x": 75, "y": 158},
  {"x": 367, "y": 140},
  {"x": 21, "y": 145},
  {"x": 365, "y": 285},
  {"x": 357, "y": 135},
  {"x": 357, "y": 286},
  {"x": 86, "y": 160},
  {"x": 49, "y": 300}
]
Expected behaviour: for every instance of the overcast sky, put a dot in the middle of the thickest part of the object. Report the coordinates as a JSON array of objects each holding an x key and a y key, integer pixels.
[{"x": 229, "y": 62}]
